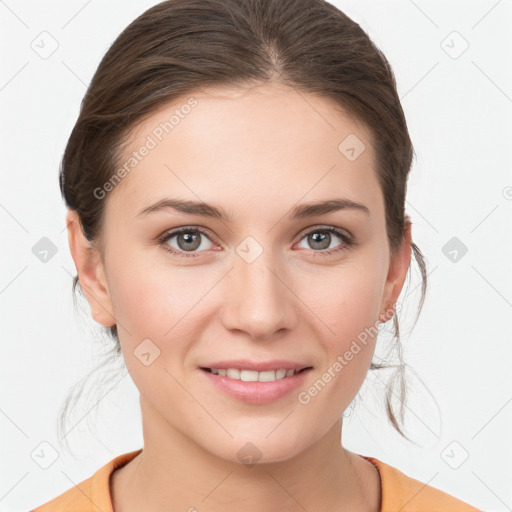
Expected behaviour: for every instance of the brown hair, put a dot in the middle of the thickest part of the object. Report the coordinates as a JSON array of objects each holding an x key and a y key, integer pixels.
[{"x": 180, "y": 46}]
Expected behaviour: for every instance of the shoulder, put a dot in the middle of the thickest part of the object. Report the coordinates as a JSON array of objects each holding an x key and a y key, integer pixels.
[
  {"x": 401, "y": 492},
  {"x": 92, "y": 494}
]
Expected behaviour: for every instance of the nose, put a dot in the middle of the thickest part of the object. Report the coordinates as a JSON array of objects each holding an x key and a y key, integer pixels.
[{"x": 259, "y": 298}]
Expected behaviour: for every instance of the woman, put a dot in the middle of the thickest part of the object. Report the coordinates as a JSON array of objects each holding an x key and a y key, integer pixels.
[{"x": 268, "y": 137}]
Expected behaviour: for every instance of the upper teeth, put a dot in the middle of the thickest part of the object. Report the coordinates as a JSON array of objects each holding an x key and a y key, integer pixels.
[{"x": 253, "y": 376}]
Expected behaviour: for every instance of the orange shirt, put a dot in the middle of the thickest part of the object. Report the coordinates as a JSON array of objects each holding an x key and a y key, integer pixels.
[{"x": 399, "y": 492}]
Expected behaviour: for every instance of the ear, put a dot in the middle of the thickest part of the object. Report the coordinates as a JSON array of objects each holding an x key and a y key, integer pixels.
[
  {"x": 91, "y": 272},
  {"x": 398, "y": 267}
]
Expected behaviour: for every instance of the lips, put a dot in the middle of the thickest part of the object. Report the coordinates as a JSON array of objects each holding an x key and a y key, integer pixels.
[{"x": 267, "y": 388}]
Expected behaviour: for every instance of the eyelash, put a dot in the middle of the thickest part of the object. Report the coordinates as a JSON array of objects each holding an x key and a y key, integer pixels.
[{"x": 348, "y": 241}]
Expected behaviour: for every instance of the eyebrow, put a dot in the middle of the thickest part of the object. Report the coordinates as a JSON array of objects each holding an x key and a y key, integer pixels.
[{"x": 298, "y": 212}]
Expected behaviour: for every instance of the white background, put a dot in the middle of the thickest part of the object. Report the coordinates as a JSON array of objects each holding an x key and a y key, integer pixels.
[{"x": 459, "y": 112}]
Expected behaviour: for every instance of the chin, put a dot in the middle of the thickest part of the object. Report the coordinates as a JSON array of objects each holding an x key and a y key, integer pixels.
[{"x": 259, "y": 449}]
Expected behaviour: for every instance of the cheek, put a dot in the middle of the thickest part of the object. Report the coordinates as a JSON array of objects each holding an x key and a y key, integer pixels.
[
  {"x": 159, "y": 305},
  {"x": 346, "y": 302},
  {"x": 150, "y": 298},
  {"x": 348, "y": 309},
  {"x": 165, "y": 304}
]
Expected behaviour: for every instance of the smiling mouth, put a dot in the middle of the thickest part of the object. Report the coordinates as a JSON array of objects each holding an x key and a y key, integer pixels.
[{"x": 254, "y": 376}]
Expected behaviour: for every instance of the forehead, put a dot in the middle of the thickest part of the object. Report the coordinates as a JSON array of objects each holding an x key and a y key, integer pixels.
[{"x": 246, "y": 148}]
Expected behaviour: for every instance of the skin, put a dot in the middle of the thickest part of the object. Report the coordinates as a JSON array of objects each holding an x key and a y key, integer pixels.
[{"x": 259, "y": 149}]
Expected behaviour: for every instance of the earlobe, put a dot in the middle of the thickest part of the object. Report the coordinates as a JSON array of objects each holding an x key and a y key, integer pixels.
[
  {"x": 396, "y": 275},
  {"x": 91, "y": 272}
]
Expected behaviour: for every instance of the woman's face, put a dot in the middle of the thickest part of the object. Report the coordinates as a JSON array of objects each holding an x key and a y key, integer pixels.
[{"x": 257, "y": 285}]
